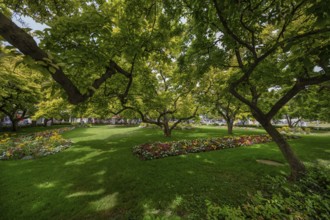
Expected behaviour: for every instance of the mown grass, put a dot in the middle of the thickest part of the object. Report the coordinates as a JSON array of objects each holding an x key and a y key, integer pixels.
[{"x": 99, "y": 178}]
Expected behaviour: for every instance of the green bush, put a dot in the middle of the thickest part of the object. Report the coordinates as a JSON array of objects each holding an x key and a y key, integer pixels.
[
  {"x": 307, "y": 130},
  {"x": 178, "y": 127},
  {"x": 308, "y": 198},
  {"x": 146, "y": 125}
]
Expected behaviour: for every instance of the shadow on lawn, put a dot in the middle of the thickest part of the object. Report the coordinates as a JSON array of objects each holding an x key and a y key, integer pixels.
[
  {"x": 112, "y": 183},
  {"x": 101, "y": 179}
]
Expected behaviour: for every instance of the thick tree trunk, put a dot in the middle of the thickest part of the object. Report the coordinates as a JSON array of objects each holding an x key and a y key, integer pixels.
[
  {"x": 45, "y": 122},
  {"x": 289, "y": 121},
  {"x": 167, "y": 130},
  {"x": 230, "y": 125},
  {"x": 298, "y": 169},
  {"x": 14, "y": 125}
]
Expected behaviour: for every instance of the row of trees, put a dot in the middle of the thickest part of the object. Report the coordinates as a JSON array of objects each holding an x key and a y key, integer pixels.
[{"x": 166, "y": 59}]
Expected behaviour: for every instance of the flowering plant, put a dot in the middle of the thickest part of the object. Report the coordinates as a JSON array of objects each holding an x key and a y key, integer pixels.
[
  {"x": 149, "y": 151},
  {"x": 35, "y": 145}
]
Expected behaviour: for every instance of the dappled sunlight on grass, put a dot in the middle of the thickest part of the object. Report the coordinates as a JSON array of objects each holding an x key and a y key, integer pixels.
[
  {"x": 46, "y": 185},
  {"x": 37, "y": 205},
  {"x": 100, "y": 178},
  {"x": 88, "y": 157},
  {"x": 105, "y": 203},
  {"x": 100, "y": 173},
  {"x": 324, "y": 163},
  {"x": 85, "y": 193},
  {"x": 208, "y": 161},
  {"x": 150, "y": 212}
]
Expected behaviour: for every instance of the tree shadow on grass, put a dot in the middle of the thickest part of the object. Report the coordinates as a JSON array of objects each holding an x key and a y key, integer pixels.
[{"x": 101, "y": 179}]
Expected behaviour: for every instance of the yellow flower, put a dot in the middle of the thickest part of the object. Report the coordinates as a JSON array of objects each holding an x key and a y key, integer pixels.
[
  {"x": 21, "y": 145},
  {"x": 38, "y": 138}
]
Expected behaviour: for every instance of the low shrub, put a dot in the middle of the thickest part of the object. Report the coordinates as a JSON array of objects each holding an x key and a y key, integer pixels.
[
  {"x": 307, "y": 130},
  {"x": 308, "y": 198},
  {"x": 182, "y": 126},
  {"x": 83, "y": 125},
  {"x": 32, "y": 146},
  {"x": 147, "y": 125}
]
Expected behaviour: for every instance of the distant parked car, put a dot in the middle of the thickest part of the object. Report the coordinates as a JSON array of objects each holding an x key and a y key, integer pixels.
[
  {"x": 6, "y": 123},
  {"x": 25, "y": 122}
]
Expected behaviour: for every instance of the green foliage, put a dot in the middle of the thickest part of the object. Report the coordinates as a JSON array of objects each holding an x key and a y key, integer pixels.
[
  {"x": 307, "y": 199},
  {"x": 83, "y": 125},
  {"x": 20, "y": 87},
  {"x": 295, "y": 130},
  {"x": 146, "y": 125},
  {"x": 53, "y": 108},
  {"x": 182, "y": 126}
]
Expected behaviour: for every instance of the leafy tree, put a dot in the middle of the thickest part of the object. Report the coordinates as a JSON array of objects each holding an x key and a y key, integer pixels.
[
  {"x": 275, "y": 43},
  {"x": 296, "y": 110},
  {"x": 19, "y": 92},
  {"x": 321, "y": 104},
  {"x": 218, "y": 98},
  {"x": 311, "y": 104},
  {"x": 85, "y": 39},
  {"x": 56, "y": 108},
  {"x": 161, "y": 96}
]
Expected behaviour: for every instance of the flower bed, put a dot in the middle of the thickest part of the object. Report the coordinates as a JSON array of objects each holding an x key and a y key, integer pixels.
[
  {"x": 160, "y": 150},
  {"x": 32, "y": 146}
]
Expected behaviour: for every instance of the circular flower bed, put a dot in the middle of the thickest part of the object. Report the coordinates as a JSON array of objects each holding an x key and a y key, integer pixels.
[
  {"x": 32, "y": 146},
  {"x": 157, "y": 150}
]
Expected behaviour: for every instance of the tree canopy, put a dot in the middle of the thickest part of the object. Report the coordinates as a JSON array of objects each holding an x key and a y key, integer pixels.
[{"x": 154, "y": 56}]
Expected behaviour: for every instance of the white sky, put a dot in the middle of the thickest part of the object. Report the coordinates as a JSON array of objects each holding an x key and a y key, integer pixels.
[{"x": 28, "y": 22}]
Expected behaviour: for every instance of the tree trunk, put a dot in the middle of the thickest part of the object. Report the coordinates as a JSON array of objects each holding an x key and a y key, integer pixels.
[
  {"x": 14, "y": 125},
  {"x": 298, "y": 169},
  {"x": 45, "y": 122},
  {"x": 230, "y": 125},
  {"x": 289, "y": 121},
  {"x": 167, "y": 130}
]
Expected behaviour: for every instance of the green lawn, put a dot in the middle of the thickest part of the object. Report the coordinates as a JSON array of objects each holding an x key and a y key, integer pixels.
[{"x": 99, "y": 178}]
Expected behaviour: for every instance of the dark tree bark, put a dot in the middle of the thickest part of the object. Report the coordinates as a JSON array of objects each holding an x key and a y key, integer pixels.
[
  {"x": 225, "y": 110},
  {"x": 297, "y": 167},
  {"x": 289, "y": 121},
  {"x": 249, "y": 44},
  {"x": 14, "y": 124},
  {"x": 46, "y": 120},
  {"x": 167, "y": 130},
  {"x": 230, "y": 125}
]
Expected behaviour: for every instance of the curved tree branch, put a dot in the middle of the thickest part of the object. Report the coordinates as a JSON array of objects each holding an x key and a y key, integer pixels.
[{"x": 27, "y": 45}]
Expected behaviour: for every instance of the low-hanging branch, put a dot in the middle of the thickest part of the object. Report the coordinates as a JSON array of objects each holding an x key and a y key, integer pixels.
[{"x": 17, "y": 37}]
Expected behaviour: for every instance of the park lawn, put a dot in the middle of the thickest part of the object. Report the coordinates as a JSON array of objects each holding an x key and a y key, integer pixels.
[{"x": 99, "y": 178}]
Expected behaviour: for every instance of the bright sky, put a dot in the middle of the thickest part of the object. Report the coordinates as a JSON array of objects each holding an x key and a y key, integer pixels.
[{"x": 28, "y": 22}]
